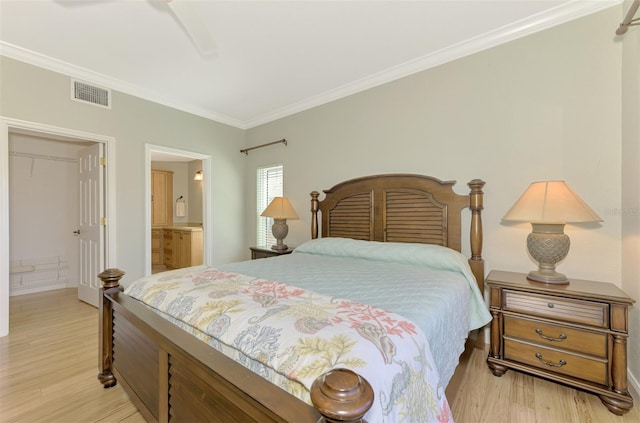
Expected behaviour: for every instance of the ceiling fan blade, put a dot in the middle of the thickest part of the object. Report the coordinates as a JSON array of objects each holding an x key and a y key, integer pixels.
[{"x": 194, "y": 27}]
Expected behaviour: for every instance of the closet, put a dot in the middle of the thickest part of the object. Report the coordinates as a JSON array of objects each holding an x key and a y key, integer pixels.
[{"x": 44, "y": 213}]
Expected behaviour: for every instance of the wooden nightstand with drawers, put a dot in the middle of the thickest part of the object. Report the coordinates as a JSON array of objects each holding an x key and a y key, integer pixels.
[
  {"x": 266, "y": 252},
  {"x": 574, "y": 334}
]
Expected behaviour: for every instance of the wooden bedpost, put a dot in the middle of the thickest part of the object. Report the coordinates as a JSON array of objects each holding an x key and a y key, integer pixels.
[
  {"x": 341, "y": 396},
  {"x": 476, "y": 205},
  {"x": 314, "y": 214},
  {"x": 110, "y": 283}
]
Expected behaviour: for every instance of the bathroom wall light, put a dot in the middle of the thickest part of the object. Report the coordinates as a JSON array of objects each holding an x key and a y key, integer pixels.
[{"x": 198, "y": 176}]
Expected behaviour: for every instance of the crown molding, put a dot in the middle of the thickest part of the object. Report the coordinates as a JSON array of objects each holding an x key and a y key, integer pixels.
[
  {"x": 536, "y": 23},
  {"x": 59, "y": 66},
  {"x": 563, "y": 13}
]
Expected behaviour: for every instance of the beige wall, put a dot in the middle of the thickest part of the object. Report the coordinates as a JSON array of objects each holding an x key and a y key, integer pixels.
[
  {"x": 195, "y": 193},
  {"x": 33, "y": 94},
  {"x": 630, "y": 210},
  {"x": 544, "y": 107}
]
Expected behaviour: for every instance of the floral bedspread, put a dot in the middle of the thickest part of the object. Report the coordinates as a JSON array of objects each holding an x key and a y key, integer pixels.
[{"x": 290, "y": 336}]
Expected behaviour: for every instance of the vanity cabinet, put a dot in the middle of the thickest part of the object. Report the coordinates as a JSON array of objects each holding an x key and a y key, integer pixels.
[
  {"x": 187, "y": 247},
  {"x": 156, "y": 246},
  {"x": 167, "y": 248},
  {"x": 182, "y": 247},
  {"x": 161, "y": 198}
]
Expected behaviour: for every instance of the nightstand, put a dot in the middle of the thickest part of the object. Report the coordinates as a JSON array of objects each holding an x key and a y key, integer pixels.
[
  {"x": 266, "y": 252},
  {"x": 574, "y": 334}
]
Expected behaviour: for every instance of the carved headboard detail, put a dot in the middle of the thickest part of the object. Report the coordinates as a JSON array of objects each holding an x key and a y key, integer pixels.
[{"x": 401, "y": 208}]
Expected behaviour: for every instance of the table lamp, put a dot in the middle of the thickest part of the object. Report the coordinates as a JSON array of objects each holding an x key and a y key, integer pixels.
[
  {"x": 548, "y": 205},
  {"x": 280, "y": 209}
]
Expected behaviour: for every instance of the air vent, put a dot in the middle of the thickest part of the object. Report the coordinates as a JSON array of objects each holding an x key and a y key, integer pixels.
[{"x": 87, "y": 93}]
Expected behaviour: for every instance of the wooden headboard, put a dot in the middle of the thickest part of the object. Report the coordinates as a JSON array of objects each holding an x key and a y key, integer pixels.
[{"x": 402, "y": 208}]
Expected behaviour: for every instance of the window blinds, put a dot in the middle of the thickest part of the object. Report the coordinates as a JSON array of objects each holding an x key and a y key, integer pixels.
[{"x": 269, "y": 185}]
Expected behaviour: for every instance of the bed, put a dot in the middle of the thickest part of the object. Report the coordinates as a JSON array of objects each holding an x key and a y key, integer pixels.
[{"x": 179, "y": 372}]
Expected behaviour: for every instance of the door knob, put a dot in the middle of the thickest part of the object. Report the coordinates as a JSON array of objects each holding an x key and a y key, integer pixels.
[{"x": 77, "y": 232}]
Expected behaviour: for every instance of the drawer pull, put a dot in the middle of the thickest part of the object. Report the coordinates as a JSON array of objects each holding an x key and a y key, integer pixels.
[
  {"x": 562, "y": 336},
  {"x": 550, "y": 305},
  {"x": 550, "y": 364}
]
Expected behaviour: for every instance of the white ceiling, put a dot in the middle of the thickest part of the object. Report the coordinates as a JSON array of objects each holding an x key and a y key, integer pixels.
[{"x": 274, "y": 58}]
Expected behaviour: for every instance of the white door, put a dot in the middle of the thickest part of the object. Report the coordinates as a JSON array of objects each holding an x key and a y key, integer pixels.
[{"x": 91, "y": 230}]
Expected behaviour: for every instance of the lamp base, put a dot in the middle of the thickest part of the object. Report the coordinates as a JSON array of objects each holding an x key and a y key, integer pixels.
[
  {"x": 548, "y": 245},
  {"x": 280, "y": 229},
  {"x": 548, "y": 277},
  {"x": 279, "y": 247}
]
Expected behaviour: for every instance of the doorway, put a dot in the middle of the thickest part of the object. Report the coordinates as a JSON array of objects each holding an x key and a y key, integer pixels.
[
  {"x": 13, "y": 126},
  {"x": 156, "y": 153}
]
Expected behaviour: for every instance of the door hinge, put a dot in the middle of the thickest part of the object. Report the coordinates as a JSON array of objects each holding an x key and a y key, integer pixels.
[
  {"x": 103, "y": 221},
  {"x": 103, "y": 161}
]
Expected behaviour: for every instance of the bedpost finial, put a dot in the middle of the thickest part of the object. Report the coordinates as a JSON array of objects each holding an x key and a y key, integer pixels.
[
  {"x": 476, "y": 186},
  {"x": 476, "y": 194},
  {"x": 341, "y": 395},
  {"x": 111, "y": 278},
  {"x": 314, "y": 201}
]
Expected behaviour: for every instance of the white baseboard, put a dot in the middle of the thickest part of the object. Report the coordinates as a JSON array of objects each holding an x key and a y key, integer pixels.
[
  {"x": 38, "y": 289},
  {"x": 634, "y": 387}
]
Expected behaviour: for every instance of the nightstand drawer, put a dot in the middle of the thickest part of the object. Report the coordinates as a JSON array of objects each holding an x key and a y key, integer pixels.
[
  {"x": 563, "y": 362},
  {"x": 261, "y": 254},
  {"x": 569, "y": 310},
  {"x": 556, "y": 336},
  {"x": 266, "y": 252}
]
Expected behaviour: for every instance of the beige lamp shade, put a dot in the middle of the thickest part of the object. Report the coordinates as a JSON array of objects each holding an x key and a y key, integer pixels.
[
  {"x": 280, "y": 208},
  {"x": 550, "y": 202}
]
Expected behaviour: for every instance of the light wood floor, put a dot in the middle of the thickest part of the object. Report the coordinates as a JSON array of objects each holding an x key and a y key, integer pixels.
[
  {"x": 49, "y": 363},
  {"x": 519, "y": 398}
]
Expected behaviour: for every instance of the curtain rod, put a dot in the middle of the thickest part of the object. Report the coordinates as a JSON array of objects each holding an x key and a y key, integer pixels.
[
  {"x": 629, "y": 20},
  {"x": 246, "y": 150}
]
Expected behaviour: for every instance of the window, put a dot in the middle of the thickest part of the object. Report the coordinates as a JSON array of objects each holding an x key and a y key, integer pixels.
[{"x": 269, "y": 185}]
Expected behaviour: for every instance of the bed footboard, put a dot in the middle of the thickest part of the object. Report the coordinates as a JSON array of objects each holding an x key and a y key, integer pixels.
[{"x": 170, "y": 375}]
